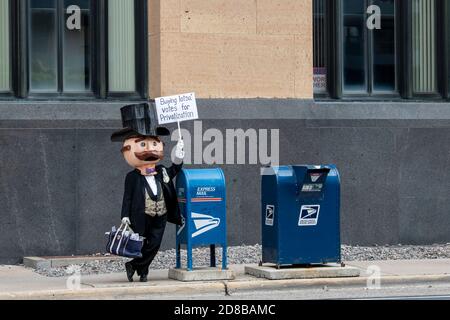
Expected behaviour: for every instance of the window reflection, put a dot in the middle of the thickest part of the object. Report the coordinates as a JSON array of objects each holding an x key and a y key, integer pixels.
[
  {"x": 384, "y": 48},
  {"x": 77, "y": 49},
  {"x": 369, "y": 54},
  {"x": 354, "y": 40},
  {"x": 43, "y": 46}
]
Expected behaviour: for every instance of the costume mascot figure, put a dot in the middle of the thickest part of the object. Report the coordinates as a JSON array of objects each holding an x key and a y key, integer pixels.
[{"x": 150, "y": 199}]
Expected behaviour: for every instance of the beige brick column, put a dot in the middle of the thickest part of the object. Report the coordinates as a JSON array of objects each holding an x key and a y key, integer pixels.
[{"x": 231, "y": 48}]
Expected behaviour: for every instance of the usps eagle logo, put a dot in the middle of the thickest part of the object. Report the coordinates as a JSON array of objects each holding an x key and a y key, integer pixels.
[
  {"x": 204, "y": 223},
  {"x": 309, "y": 215}
]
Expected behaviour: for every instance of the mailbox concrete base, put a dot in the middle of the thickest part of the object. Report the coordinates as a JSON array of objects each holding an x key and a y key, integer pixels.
[
  {"x": 322, "y": 271},
  {"x": 201, "y": 274}
]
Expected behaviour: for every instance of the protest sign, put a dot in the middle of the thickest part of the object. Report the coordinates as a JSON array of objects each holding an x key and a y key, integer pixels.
[
  {"x": 177, "y": 108},
  {"x": 182, "y": 107}
]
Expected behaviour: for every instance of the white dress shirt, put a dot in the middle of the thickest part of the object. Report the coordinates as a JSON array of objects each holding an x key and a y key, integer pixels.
[{"x": 152, "y": 183}]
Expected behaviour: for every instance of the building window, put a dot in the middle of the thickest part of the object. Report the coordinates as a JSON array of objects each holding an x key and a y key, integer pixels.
[
  {"x": 400, "y": 58},
  {"x": 384, "y": 49},
  {"x": 320, "y": 47},
  {"x": 121, "y": 43},
  {"x": 60, "y": 46},
  {"x": 354, "y": 43},
  {"x": 424, "y": 46},
  {"x": 77, "y": 48},
  {"x": 4, "y": 47},
  {"x": 74, "y": 48},
  {"x": 368, "y": 54},
  {"x": 43, "y": 46}
]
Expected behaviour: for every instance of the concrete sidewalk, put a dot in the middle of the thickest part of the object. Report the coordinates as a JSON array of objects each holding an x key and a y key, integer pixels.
[{"x": 17, "y": 282}]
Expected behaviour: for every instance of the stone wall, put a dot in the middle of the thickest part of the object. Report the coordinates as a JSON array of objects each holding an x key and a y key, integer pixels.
[{"x": 231, "y": 48}]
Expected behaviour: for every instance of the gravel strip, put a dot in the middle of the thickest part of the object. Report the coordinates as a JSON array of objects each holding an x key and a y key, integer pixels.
[
  {"x": 398, "y": 252},
  {"x": 252, "y": 255}
]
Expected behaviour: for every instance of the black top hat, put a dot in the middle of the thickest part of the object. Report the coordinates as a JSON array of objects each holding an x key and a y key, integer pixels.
[{"x": 139, "y": 120}]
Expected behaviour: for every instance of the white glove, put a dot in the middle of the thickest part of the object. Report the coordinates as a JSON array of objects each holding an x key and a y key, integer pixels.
[
  {"x": 179, "y": 152},
  {"x": 126, "y": 221}
]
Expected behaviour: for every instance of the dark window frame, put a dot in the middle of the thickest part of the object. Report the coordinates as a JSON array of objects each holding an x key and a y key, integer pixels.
[{"x": 99, "y": 59}]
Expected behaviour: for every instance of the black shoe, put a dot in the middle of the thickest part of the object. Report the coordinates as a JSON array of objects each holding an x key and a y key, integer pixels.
[
  {"x": 143, "y": 278},
  {"x": 130, "y": 271}
]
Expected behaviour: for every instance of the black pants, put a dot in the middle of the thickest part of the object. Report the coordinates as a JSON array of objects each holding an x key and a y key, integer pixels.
[{"x": 154, "y": 231}]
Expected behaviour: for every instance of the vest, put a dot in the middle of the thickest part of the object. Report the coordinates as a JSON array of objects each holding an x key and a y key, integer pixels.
[{"x": 156, "y": 205}]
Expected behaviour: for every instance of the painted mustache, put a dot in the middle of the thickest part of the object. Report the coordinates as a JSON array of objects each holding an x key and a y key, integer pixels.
[{"x": 150, "y": 155}]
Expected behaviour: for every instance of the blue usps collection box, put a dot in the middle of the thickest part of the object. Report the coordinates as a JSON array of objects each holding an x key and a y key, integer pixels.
[
  {"x": 300, "y": 211},
  {"x": 202, "y": 199}
]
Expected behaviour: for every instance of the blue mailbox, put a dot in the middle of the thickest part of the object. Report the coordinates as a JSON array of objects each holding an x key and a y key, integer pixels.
[
  {"x": 202, "y": 199},
  {"x": 300, "y": 215}
]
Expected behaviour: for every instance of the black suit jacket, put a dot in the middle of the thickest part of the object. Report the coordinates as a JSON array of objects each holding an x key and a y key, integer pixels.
[{"x": 133, "y": 205}]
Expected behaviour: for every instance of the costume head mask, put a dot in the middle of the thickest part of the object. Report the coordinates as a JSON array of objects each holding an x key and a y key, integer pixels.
[
  {"x": 142, "y": 147},
  {"x": 143, "y": 152}
]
